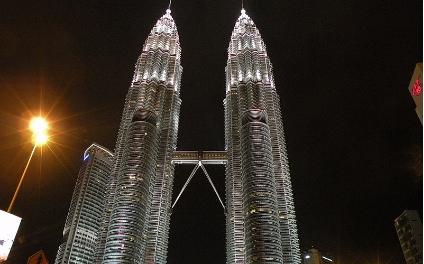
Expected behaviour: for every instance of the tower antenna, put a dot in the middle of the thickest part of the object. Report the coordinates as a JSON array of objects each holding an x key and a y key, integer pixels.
[
  {"x": 242, "y": 4},
  {"x": 169, "y": 6}
]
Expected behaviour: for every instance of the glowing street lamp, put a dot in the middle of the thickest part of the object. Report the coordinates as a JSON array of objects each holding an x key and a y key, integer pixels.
[
  {"x": 38, "y": 125},
  {"x": 39, "y": 128}
]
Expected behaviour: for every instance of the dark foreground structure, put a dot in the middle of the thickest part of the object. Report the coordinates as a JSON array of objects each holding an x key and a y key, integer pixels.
[{"x": 121, "y": 207}]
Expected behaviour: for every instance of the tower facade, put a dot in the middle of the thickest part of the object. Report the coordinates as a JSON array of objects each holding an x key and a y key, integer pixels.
[
  {"x": 142, "y": 176},
  {"x": 261, "y": 223},
  {"x": 80, "y": 235}
]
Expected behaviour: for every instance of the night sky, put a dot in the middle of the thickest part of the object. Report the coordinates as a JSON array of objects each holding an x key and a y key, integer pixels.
[{"x": 341, "y": 68}]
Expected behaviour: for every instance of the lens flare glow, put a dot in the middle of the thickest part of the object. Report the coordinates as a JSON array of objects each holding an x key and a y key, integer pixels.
[
  {"x": 40, "y": 138},
  {"x": 38, "y": 125},
  {"x": 39, "y": 128}
]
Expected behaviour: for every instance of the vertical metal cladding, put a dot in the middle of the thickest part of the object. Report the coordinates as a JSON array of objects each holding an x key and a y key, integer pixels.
[
  {"x": 161, "y": 55},
  {"x": 259, "y": 192},
  {"x": 126, "y": 235},
  {"x": 235, "y": 241},
  {"x": 137, "y": 214},
  {"x": 127, "y": 115},
  {"x": 254, "y": 131},
  {"x": 161, "y": 189},
  {"x": 286, "y": 209}
]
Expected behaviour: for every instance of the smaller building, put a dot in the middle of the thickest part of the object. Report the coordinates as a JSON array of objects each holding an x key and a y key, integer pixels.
[
  {"x": 82, "y": 224},
  {"x": 313, "y": 256},
  {"x": 416, "y": 89},
  {"x": 410, "y": 232}
]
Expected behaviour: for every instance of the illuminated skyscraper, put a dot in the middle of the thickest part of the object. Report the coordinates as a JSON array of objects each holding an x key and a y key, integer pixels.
[
  {"x": 261, "y": 223},
  {"x": 80, "y": 235},
  {"x": 140, "y": 196}
]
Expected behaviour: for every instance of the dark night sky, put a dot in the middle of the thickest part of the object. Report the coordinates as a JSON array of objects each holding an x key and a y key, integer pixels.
[{"x": 342, "y": 69}]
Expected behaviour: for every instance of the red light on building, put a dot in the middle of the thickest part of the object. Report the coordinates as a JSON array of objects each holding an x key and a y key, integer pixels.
[{"x": 416, "y": 90}]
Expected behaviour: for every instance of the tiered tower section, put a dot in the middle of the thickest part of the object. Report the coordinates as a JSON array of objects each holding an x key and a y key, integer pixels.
[
  {"x": 137, "y": 214},
  {"x": 261, "y": 224}
]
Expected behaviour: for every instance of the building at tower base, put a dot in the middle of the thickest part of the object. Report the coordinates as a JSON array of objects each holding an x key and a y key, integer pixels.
[
  {"x": 80, "y": 235},
  {"x": 409, "y": 229}
]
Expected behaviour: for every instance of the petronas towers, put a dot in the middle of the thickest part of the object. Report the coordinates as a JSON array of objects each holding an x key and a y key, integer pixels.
[{"x": 121, "y": 206}]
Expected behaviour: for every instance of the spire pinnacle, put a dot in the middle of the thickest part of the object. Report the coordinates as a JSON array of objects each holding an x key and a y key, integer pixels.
[{"x": 169, "y": 6}]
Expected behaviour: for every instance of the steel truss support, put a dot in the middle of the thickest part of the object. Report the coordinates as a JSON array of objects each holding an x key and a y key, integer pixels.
[{"x": 199, "y": 164}]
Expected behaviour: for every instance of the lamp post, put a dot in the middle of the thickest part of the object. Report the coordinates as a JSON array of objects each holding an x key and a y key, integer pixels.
[{"x": 39, "y": 128}]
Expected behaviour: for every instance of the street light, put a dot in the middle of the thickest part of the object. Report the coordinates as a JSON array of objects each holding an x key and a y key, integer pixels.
[{"x": 39, "y": 128}]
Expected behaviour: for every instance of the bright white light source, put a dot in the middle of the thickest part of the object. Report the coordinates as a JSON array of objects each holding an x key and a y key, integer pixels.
[
  {"x": 39, "y": 128},
  {"x": 41, "y": 138},
  {"x": 38, "y": 125},
  {"x": 86, "y": 156}
]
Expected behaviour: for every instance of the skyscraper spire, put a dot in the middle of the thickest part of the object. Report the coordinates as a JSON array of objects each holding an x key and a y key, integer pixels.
[{"x": 261, "y": 225}]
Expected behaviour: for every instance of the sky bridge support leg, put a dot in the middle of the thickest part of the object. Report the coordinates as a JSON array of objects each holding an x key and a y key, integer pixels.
[{"x": 186, "y": 183}]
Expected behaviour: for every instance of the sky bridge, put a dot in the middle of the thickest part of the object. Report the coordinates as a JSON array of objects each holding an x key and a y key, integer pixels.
[{"x": 199, "y": 158}]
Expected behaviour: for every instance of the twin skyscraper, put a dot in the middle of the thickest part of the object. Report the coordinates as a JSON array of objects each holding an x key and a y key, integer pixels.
[{"x": 121, "y": 206}]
